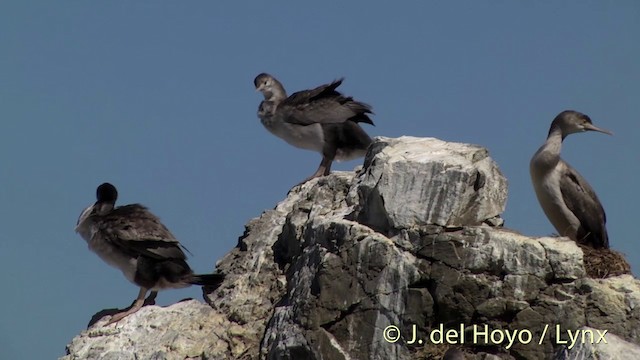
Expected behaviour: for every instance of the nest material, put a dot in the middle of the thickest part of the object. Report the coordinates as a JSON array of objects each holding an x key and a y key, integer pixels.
[{"x": 604, "y": 263}]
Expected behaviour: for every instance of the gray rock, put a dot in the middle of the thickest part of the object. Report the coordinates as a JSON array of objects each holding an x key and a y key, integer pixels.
[
  {"x": 186, "y": 330},
  {"x": 354, "y": 266},
  {"x": 590, "y": 344},
  {"x": 409, "y": 182}
]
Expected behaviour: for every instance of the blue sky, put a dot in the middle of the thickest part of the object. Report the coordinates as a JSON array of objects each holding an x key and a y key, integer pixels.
[{"x": 157, "y": 98}]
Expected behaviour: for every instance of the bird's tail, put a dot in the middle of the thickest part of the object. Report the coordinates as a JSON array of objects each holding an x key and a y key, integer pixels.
[
  {"x": 213, "y": 280},
  {"x": 360, "y": 109}
]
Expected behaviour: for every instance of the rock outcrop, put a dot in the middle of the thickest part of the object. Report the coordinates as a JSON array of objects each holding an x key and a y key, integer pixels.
[{"x": 404, "y": 259}]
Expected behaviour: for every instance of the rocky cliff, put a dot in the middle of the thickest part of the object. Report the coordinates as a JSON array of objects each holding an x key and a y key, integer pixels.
[{"x": 405, "y": 259}]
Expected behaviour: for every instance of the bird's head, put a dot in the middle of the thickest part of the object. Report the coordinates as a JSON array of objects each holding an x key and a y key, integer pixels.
[
  {"x": 269, "y": 87},
  {"x": 264, "y": 83},
  {"x": 571, "y": 122},
  {"x": 106, "y": 193},
  {"x": 106, "y": 196}
]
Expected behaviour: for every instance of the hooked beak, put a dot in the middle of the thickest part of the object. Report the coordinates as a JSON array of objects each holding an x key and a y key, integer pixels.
[{"x": 591, "y": 127}]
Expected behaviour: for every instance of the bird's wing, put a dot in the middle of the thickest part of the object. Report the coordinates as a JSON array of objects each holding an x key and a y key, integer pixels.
[
  {"x": 322, "y": 105},
  {"x": 306, "y": 96},
  {"x": 584, "y": 204},
  {"x": 323, "y": 111},
  {"x": 135, "y": 230}
]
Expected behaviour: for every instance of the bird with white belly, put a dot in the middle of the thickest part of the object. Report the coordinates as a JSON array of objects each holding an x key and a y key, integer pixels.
[
  {"x": 134, "y": 240},
  {"x": 321, "y": 119}
]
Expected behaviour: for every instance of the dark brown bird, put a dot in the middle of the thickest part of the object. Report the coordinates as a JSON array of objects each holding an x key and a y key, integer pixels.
[
  {"x": 321, "y": 119},
  {"x": 134, "y": 240},
  {"x": 564, "y": 195}
]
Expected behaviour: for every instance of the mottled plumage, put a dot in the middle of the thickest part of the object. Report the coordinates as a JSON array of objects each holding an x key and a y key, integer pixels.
[
  {"x": 265, "y": 111},
  {"x": 564, "y": 195},
  {"x": 319, "y": 119},
  {"x": 323, "y": 105},
  {"x": 134, "y": 240}
]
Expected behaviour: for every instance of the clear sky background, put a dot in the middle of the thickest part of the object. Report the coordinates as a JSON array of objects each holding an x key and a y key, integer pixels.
[{"x": 157, "y": 97}]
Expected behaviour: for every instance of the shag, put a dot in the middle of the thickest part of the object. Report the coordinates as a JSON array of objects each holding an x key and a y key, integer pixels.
[
  {"x": 321, "y": 119},
  {"x": 134, "y": 240},
  {"x": 565, "y": 196}
]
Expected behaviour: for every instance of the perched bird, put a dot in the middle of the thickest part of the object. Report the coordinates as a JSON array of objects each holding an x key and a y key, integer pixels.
[
  {"x": 134, "y": 240},
  {"x": 321, "y": 119},
  {"x": 565, "y": 196}
]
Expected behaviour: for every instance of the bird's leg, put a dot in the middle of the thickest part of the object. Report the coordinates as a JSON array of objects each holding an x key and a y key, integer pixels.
[
  {"x": 137, "y": 305},
  {"x": 326, "y": 164},
  {"x": 323, "y": 170},
  {"x": 328, "y": 154},
  {"x": 151, "y": 299}
]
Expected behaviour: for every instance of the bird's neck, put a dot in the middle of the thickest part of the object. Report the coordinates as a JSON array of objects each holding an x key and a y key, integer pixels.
[
  {"x": 549, "y": 153},
  {"x": 103, "y": 208},
  {"x": 277, "y": 93}
]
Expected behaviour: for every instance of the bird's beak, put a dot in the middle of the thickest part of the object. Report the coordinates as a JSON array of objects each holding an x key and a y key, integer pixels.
[
  {"x": 259, "y": 88},
  {"x": 591, "y": 127}
]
